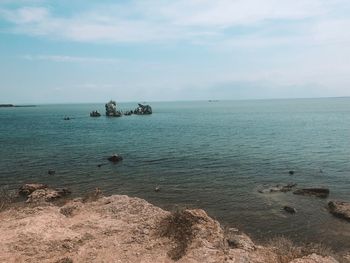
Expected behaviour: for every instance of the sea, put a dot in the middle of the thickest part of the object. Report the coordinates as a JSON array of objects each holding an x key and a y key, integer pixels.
[{"x": 213, "y": 155}]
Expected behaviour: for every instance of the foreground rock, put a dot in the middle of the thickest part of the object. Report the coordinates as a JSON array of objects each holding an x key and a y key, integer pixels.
[
  {"x": 27, "y": 189},
  {"x": 123, "y": 229},
  {"x": 47, "y": 195},
  {"x": 37, "y": 193},
  {"x": 318, "y": 192},
  {"x": 314, "y": 259},
  {"x": 340, "y": 209}
]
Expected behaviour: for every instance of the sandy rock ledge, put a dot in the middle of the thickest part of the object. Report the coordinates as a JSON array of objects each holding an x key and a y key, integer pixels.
[{"x": 124, "y": 229}]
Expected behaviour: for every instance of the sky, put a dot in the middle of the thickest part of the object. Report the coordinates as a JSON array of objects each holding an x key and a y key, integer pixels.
[{"x": 167, "y": 50}]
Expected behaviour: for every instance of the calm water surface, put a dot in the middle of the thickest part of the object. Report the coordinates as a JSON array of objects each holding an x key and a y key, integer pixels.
[{"x": 209, "y": 155}]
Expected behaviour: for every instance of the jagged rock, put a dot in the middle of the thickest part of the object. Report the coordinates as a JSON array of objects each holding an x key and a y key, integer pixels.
[
  {"x": 143, "y": 110},
  {"x": 27, "y": 189},
  {"x": 47, "y": 195},
  {"x": 237, "y": 239},
  {"x": 289, "y": 209},
  {"x": 318, "y": 192},
  {"x": 115, "y": 158},
  {"x": 95, "y": 114},
  {"x": 111, "y": 109},
  {"x": 340, "y": 209}
]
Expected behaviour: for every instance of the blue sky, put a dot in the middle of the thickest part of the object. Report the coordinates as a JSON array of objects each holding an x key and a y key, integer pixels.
[{"x": 91, "y": 51}]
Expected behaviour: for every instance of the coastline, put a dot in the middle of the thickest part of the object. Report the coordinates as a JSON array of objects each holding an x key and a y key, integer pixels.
[
  {"x": 120, "y": 228},
  {"x": 15, "y": 106}
]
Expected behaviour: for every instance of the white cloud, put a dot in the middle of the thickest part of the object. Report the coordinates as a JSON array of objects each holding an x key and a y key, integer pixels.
[
  {"x": 75, "y": 59},
  {"x": 282, "y": 44},
  {"x": 194, "y": 21},
  {"x": 227, "y": 13},
  {"x": 26, "y": 15}
]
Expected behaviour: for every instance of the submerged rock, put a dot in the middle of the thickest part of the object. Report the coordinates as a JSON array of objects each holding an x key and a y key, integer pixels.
[
  {"x": 51, "y": 172},
  {"x": 157, "y": 189},
  {"x": 318, "y": 192},
  {"x": 115, "y": 158},
  {"x": 289, "y": 209},
  {"x": 291, "y": 172},
  {"x": 111, "y": 109},
  {"x": 143, "y": 110},
  {"x": 340, "y": 209},
  {"x": 278, "y": 188},
  {"x": 27, "y": 189},
  {"x": 95, "y": 114}
]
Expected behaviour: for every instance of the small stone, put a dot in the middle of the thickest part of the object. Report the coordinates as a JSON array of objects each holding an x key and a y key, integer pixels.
[
  {"x": 157, "y": 189},
  {"x": 51, "y": 172}
]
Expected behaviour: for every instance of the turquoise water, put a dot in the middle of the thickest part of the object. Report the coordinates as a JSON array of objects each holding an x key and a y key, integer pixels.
[{"x": 212, "y": 155}]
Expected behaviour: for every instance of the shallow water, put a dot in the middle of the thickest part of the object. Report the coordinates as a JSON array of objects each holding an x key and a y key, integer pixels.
[{"x": 212, "y": 155}]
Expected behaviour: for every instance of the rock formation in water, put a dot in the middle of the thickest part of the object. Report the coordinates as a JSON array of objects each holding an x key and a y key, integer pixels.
[
  {"x": 111, "y": 109},
  {"x": 128, "y": 112},
  {"x": 95, "y": 114},
  {"x": 124, "y": 229},
  {"x": 143, "y": 109}
]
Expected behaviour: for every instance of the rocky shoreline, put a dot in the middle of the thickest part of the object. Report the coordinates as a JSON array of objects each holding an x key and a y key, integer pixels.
[{"x": 119, "y": 228}]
